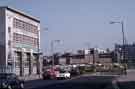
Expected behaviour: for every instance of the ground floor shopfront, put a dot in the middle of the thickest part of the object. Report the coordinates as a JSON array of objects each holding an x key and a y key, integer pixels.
[{"x": 26, "y": 63}]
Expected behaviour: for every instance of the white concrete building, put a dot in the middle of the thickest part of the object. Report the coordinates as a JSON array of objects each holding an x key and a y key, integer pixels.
[{"x": 19, "y": 41}]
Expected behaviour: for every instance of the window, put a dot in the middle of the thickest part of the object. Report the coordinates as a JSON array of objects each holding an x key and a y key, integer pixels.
[
  {"x": 25, "y": 26},
  {"x": 9, "y": 42},
  {"x": 9, "y": 29},
  {"x": 26, "y": 64},
  {"x": 19, "y": 38},
  {"x": 9, "y": 55}
]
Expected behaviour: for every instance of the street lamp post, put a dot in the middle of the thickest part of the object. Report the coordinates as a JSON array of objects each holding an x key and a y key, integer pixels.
[
  {"x": 39, "y": 51},
  {"x": 123, "y": 36},
  {"x": 52, "y": 49}
]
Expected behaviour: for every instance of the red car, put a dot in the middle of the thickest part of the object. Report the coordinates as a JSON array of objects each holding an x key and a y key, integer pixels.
[{"x": 49, "y": 73}]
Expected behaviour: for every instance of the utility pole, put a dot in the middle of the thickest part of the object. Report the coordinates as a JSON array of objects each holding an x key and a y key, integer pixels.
[
  {"x": 52, "y": 49},
  {"x": 38, "y": 53},
  {"x": 89, "y": 51},
  {"x": 93, "y": 53},
  {"x": 124, "y": 44},
  {"x": 123, "y": 39}
]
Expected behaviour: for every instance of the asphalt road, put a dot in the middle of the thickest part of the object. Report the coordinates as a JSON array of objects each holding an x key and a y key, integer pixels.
[
  {"x": 87, "y": 82},
  {"x": 40, "y": 83},
  {"x": 84, "y": 82}
]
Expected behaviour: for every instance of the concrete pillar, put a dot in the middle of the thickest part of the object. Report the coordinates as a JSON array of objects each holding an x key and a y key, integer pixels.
[
  {"x": 41, "y": 64},
  {"x": 22, "y": 58},
  {"x": 38, "y": 65},
  {"x": 31, "y": 63},
  {"x": 34, "y": 65},
  {"x": 21, "y": 64},
  {"x": 13, "y": 57}
]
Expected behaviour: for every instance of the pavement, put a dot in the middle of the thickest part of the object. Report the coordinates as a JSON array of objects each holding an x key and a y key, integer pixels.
[
  {"x": 129, "y": 77},
  {"x": 30, "y": 77}
]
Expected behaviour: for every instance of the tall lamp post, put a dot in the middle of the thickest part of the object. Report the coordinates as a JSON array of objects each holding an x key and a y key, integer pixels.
[
  {"x": 123, "y": 36},
  {"x": 52, "y": 49},
  {"x": 39, "y": 51}
]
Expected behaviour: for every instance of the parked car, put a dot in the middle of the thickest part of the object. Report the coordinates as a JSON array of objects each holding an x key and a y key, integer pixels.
[
  {"x": 62, "y": 74},
  {"x": 49, "y": 74},
  {"x": 10, "y": 81},
  {"x": 75, "y": 71}
]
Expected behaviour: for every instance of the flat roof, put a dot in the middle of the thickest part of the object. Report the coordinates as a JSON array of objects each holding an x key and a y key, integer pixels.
[{"x": 21, "y": 13}]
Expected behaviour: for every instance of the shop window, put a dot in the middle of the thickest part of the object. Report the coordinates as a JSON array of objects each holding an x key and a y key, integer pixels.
[
  {"x": 9, "y": 42},
  {"x": 26, "y": 64},
  {"x": 9, "y": 29},
  {"x": 9, "y": 55},
  {"x": 17, "y": 64}
]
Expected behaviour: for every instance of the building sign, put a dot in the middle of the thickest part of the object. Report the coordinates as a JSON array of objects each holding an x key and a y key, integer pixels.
[{"x": 19, "y": 47}]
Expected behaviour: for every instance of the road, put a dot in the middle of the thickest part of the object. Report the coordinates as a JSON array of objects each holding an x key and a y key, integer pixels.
[
  {"x": 83, "y": 82},
  {"x": 87, "y": 82},
  {"x": 39, "y": 83}
]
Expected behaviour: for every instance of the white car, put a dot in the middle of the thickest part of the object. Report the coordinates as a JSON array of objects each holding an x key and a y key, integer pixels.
[{"x": 63, "y": 75}]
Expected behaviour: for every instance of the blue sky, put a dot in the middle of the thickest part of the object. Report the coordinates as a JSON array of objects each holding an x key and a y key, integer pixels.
[{"x": 79, "y": 22}]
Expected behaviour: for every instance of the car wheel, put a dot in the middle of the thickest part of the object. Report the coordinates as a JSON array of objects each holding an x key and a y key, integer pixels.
[
  {"x": 50, "y": 77},
  {"x": 21, "y": 86},
  {"x": 9, "y": 87},
  {"x": 44, "y": 78},
  {"x": 57, "y": 78},
  {"x": 66, "y": 77}
]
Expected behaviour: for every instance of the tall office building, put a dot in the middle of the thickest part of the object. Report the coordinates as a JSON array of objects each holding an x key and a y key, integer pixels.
[
  {"x": 19, "y": 41},
  {"x": 128, "y": 52}
]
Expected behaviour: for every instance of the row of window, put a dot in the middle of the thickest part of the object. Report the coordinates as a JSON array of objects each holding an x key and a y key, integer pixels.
[
  {"x": 18, "y": 38},
  {"x": 26, "y": 64},
  {"x": 25, "y": 26},
  {"x": 26, "y": 61}
]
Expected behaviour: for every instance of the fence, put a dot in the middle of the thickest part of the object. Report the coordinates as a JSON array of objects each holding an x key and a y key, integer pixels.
[{"x": 6, "y": 69}]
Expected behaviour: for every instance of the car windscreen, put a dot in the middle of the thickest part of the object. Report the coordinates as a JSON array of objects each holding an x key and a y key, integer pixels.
[{"x": 62, "y": 71}]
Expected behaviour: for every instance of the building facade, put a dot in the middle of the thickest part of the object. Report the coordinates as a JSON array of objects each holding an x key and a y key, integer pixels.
[
  {"x": 19, "y": 41},
  {"x": 106, "y": 58},
  {"x": 129, "y": 54},
  {"x": 90, "y": 56}
]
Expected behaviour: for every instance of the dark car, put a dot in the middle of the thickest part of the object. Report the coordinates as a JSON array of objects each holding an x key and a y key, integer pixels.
[
  {"x": 75, "y": 72},
  {"x": 10, "y": 81}
]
